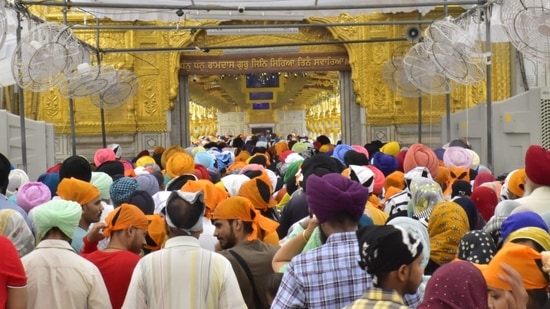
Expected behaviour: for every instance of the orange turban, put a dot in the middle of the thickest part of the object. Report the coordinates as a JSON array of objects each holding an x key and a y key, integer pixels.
[
  {"x": 523, "y": 259},
  {"x": 458, "y": 173},
  {"x": 516, "y": 183},
  {"x": 123, "y": 217},
  {"x": 258, "y": 190},
  {"x": 396, "y": 180},
  {"x": 180, "y": 163},
  {"x": 238, "y": 207},
  {"x": 242, "y": 156},
  {"x": 156, "y": 232},
  {"x": 442, "y": 177},
  {"x": 168, "y": 153},
  {"x": 237, "y": 165},
  {"x": 82, "y": 192},
  {"x": 280, "y": 147},
  {"x": 421, "y": 155},
  {"x": 213, "y": 195}
]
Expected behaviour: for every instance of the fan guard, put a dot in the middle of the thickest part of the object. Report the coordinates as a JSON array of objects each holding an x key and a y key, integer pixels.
[
  {"x": 527, "y": 24},
  {"x": 42, "y": 56},
  {"x": 423, "y": 72},
  {"x": 3, "y": 23},
  {"x": 87, "y": 80},
  {"x": 396, "y": 78},
  {"x": 124, "y": 87},
  {"x": 455, "y": 53}
]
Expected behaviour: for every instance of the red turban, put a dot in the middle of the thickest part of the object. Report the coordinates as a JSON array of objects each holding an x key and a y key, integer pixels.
[{"x": 537, "y": 165}]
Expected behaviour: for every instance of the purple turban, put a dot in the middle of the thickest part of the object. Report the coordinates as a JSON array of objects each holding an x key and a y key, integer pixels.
[{"x": 333, "y": 193}]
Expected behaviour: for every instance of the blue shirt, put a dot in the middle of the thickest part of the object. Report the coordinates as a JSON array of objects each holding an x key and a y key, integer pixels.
[
  {"x": 76, "y": 241},
  {"x": 327, "y": 277}
]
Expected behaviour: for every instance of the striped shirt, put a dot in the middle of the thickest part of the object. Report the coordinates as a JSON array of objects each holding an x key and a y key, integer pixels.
[
  {"x": 183, "y": 275},
  {"x": 375, "y": 298},
  {"x": 327, "y": 277}
]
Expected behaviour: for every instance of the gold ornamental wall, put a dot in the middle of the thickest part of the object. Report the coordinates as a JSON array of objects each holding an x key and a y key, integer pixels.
[{"x": 158, "y": 73}]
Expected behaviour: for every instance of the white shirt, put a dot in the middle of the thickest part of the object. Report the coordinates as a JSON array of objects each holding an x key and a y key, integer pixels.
[
  {"x": 183, "y": 275},
  {"x": 60, "y": 278},
  {"x": 207, "y": 239}
]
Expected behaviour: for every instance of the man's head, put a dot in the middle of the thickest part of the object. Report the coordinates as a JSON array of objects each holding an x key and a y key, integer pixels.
[
  {"x": 5, "y": 168},
  {"x": 128, "y": 225},
  {"x": 236, "y": 220},
  {"x": 336, "y": 201},
  {"x": 392, "y": 255},
  {"x": 183, "y": 213},
  {"x": 77, "y": 167},
  {"x": 537, "y": 167},
  {"x": 84, "y": 193},
  {"x": 57, "y": 214}
]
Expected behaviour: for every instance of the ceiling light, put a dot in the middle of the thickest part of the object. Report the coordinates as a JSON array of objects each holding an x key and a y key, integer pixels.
[
  {"x": 246, "y": 15},
  {"x": 251, "y": 31}
]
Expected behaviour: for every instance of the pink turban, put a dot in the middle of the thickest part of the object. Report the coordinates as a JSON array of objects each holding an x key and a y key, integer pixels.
[
  {"x": 457, "y": 157},
  {"x": 32, "y": 194},
  {"x": 379, "y": 180},
  {"x": 103, "y": 155},
  {"x": 421, "y": 155},
  {"x": 361, "y": 149}
]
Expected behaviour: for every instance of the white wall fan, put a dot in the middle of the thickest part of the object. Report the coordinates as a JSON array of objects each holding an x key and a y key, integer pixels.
[
  {"x": 455, "y": 52},
  {"x": 527, "y": 24},
  {"x": 43, "y": 55},
  {"x": 87, "y": 80},
  {"x": 423, "y": 72},
  {"x": 3, "y": 23},
  {"x": 396, "y": 78}
]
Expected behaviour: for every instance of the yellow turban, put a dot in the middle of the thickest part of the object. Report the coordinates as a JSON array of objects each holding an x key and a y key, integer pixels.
[
  {"x": 391, "y": 148},
  {"x": 145, "y": 160},
  {"x": 72, "y": 189}
]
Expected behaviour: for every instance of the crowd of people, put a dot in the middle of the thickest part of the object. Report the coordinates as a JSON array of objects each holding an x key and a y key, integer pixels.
[{"x": 250, "y": 222}]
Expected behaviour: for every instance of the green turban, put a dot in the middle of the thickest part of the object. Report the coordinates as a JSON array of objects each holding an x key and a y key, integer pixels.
[
  {"x": 59, "y": 213},
  {"x": 102, "y": 181}
]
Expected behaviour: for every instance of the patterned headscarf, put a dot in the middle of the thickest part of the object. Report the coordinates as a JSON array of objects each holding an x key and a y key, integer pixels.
[
  {"x": 477, "y": 247},
  {"x": 425, "y": 194},
  {"x": 14, "y": 227},
  {"x": 418, "y": 229},
  {"x": 456, "y": 285},
  {"x": 448, "y": 223},
  {"x": 502, "y": 211}
]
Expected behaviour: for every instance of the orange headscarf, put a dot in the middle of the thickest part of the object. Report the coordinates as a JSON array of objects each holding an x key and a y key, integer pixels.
[
  {"x": 242, "y": 156},
  {"x": 123, "y": 217},
  {"x": 516, "y": 183},
  {"x": 213, "y": 195},
  {"x": 238, "y": 207},
  {"x": 237, "y": 165},
  {"x": 526, "y": 261},
  {"x": 253, "y": 190},
  {"x": 156, "y": 232},
  {"x": 72, "y": 189},
  {"x": 396, "y": 180}
]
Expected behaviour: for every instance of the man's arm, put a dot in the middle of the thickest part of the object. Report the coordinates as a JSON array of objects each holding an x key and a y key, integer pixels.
[
  {"x": 291, "y": 291},
  {"x": 17, "y": 298}
]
